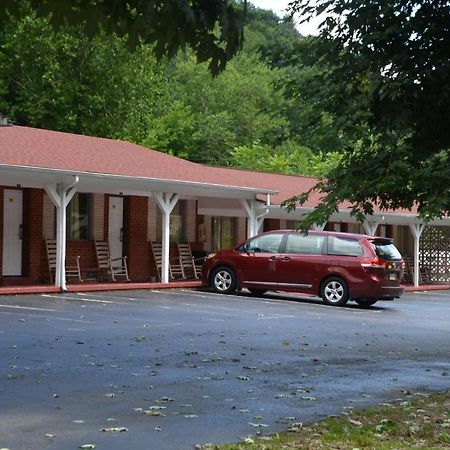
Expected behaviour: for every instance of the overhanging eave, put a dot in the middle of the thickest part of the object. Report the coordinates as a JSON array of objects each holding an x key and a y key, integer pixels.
[{"x": 38, "y": 177}]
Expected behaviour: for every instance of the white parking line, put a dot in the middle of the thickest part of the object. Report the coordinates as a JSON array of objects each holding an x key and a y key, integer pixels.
[
  {"x": 27, "y": 307},
  {"x": 217, "y": 309},
  {"x": 33, "y": 316},
  {"x": 64, "y": 297}
]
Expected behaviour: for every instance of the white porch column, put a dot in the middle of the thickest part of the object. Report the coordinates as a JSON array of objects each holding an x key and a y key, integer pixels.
[
  {"x": 370, "y": 227},
  {"x": 61, "y": 195},
  {"x": 317, "y": 227},
  {"x": 166, "y": 203},
  {"x": 255, "y": 220},
  {"x": 416, "y": 230}
]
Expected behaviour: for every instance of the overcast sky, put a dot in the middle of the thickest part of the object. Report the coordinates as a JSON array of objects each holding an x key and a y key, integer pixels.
[{"x": 279, "y": 7}]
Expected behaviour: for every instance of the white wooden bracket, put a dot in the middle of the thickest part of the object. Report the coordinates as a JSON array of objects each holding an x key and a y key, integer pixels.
[
  {"x": 255, "y": 220},
  {"x": 370, "y": 227}
]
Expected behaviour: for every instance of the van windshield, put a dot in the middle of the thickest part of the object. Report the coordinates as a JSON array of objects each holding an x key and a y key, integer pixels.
[{"x": 386, "y": 250}]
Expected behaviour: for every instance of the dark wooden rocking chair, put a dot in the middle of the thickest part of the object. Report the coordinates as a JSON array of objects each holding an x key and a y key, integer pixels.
[
  {"x": 73, "y": 270},
  {"x": 114, "y": 267},
  {"x": 175, "y": 265},
  {"x": 191, "y": 266}
]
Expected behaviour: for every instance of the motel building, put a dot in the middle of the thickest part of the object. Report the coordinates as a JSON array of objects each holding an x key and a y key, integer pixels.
[{"x": 74, "y": 192}]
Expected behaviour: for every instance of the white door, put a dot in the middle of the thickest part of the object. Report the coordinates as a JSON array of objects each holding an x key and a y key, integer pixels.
[
  {"x": 12, "y": 232},
  {"x": 115, "y": 232}
]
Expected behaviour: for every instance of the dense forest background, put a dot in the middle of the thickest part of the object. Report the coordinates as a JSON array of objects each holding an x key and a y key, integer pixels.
[{"x": 260, "y": 113}]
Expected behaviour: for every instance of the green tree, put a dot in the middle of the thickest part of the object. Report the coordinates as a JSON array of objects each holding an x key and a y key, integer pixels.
[
  {"x": 213, "y": 28},
  {"x": 204, "y": 118},
  {"x": 388, "y": 62},
  {"x": 274, "y": 39},
  {"x": 63, "y": 80},
  {"x": 288, "y": 158}
]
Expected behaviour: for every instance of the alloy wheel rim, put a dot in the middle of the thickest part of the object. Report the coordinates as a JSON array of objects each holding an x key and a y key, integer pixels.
[
  {"x": 222, "y": 280},
  {"x": 334, "y": 291}
]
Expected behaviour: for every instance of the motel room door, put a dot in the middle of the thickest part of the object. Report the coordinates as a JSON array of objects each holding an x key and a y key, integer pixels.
[
  {"x": 12, "y": 232},
  {"x": 115, "y": 225}
]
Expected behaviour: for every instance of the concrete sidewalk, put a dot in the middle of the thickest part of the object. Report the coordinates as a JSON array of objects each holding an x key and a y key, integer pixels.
[{"x": 93, "y": 287}]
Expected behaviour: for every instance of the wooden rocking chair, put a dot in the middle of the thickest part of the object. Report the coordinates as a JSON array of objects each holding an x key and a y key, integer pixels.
[
  {"x": 191, "y": 266},
  {"x": 114, "y": 267},
  {"x": 175, "y": 265},
  {"x": 73, "y": 271}
]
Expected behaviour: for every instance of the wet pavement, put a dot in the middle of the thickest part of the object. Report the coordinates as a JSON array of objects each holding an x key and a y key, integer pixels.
[{"x": 171, "y": 369}]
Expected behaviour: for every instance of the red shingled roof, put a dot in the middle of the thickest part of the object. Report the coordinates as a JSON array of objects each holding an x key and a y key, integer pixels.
[
  {"x": 286, "y": 185},
  {"x": 33, "y": 147}
]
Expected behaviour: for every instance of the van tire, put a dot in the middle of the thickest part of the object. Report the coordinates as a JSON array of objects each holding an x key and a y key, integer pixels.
[
  {"x": 257, "y": 292},
  {"x": 334, "y": 291},
  {"x": 223, "y": 280},
  {"x": 365, "y": 303}
]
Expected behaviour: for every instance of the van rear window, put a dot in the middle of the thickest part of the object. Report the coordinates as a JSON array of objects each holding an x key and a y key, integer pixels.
[{"x": 386, "y": 250}]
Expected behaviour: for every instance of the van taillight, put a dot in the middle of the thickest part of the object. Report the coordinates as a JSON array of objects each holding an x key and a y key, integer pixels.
[
  {"x": 374, "y": 263},
  {"x": 378, "y": 263}
]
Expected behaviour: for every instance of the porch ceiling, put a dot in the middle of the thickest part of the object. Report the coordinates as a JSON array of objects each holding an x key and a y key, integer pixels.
[{"x": 37, "y": 177}]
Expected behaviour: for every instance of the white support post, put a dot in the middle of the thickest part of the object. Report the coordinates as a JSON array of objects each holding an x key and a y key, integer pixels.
[
  {"x": 416, "y": 230},
  {"x": 317, "y": 227},
  {"x": 249, "y": 207},
  {"x": 61, "y": 196},
  {"x": 370, "y": 227},
  {"x": 166, "y": 203},
  {"x": 255, "y": 220}
]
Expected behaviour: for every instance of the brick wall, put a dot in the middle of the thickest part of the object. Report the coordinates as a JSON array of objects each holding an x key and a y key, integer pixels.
[
  {"x": 241, "y": 229},
  {"x": 1, "y": 233},
  {"x": 136, "y": 232},
  {"x": 152, "y": 215},
  {"x": 191, "y": 220},
  {"x": 33, "y": 200},
  {"x": 271, "y": 224},
  {"x": 49, "y": 218},
  {"x": 98, "y": 216}
]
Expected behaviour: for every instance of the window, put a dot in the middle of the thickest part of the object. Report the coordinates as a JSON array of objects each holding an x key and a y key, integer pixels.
[
  {"x": 344, "y": 246},
  {"x": 223, "y": 231},
  {"x": 269, "y": 243},
  {"x": 78, "y": 217},
  {"x": 386, "y": 250},
  {"x": 304, "y": 244},
  {"x": 177, "y": 223}
]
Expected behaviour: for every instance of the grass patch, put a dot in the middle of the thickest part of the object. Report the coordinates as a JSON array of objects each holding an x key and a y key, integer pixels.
[{"x": 416, "y": 421}]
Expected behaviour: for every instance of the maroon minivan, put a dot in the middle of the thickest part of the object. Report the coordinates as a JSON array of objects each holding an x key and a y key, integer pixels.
[{"x": 335, "y": 266}]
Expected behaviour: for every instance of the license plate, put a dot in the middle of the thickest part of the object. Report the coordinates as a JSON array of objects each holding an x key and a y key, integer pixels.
[{"x": 392, "y": 276}]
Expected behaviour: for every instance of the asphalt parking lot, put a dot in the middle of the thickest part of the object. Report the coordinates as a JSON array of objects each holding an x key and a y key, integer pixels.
[{"x": 172, "y": 369}]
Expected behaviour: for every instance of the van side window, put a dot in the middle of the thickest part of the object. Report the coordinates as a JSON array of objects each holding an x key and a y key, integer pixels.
[
  {"x": 304, "y": 244},
  {"x": 344, "y": 246},
  {"x": 269, "y": 243}
]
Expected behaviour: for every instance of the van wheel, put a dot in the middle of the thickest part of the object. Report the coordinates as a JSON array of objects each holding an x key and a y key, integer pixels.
[
  {"x": 223, "y": 280},
  {"x": 334, "y": 291},
  {"x": 365, "y": 303},
  {"x": 257, "y": 292}
]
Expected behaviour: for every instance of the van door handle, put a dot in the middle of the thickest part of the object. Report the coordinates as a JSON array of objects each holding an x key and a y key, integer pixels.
[
  {"x": 273, "y": 258},
  {"x": 21, "y": 231},
  {"x": 286, "y": 258}
]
